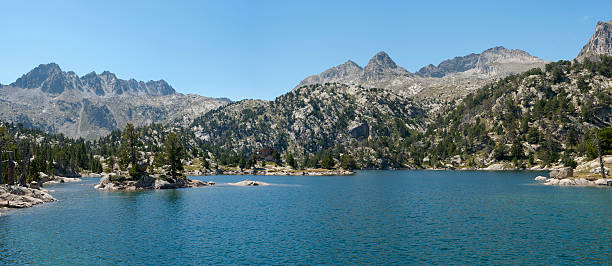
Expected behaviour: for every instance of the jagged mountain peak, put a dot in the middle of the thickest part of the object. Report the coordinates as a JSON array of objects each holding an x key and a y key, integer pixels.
[
  {"x": 599, "y": 44},
  {"x": 381, "y": 66},
  {"x": 49, "y": 77},
  {"x": 381, "y": 59}
]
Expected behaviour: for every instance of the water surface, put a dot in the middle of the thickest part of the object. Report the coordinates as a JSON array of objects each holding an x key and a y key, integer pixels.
[{"x": 381, "y": 217}]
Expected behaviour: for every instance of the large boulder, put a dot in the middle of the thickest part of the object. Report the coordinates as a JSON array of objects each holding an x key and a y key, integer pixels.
[
  {"x": 562, "y": 173},
  {"x": 566, "y": 182}
]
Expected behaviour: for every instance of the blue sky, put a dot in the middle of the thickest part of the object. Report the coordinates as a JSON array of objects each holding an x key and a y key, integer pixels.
[{"x": 262, "y": 49}]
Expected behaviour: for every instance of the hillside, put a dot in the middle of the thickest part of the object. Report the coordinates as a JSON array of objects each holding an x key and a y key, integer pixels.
[
  {"x": 539, "y": 118},
  {"x": 316, "y": 119}
]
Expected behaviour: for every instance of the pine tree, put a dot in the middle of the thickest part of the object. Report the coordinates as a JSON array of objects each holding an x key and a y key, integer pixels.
[{"x": 174, "y": 152}]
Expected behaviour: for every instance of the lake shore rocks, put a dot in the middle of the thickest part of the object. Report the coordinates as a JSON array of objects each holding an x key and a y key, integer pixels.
[
  {"x": 148, "y": 182},
  {"x": 574, "y": 181},
  {"x": 17, "y": 197}
]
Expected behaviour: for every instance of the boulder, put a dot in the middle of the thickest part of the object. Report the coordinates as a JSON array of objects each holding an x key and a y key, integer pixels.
[
  {"x": 566, "y": 182},
  {"x": 540, "y": 178},
  {"x": 602, "y": 182},
  {"x": 582, "y": 182},
  {"x": 34, "y": 185},
  {"x": 562, "y": 173}
]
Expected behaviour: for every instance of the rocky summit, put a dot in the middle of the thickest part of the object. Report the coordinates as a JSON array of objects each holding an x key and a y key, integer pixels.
[
  {"x": 93, "y": 105},
  {"x": 599, "y": 44}
]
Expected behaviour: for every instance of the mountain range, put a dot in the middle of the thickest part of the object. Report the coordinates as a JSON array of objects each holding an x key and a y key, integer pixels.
[
  {"x": 93, "y": 105},
  {"x": 457, "y": 76}
]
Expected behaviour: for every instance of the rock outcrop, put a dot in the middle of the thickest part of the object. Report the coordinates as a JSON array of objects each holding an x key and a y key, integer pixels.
[
  {"x": 22, "y": 197},
  {"x": 599, "y": 44}
]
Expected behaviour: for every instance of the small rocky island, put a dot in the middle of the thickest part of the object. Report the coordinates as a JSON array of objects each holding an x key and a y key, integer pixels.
[{"x": 108, "y": 182}]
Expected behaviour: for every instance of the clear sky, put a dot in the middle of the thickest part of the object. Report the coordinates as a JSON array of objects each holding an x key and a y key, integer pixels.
[{"x": 262, "y": 49}]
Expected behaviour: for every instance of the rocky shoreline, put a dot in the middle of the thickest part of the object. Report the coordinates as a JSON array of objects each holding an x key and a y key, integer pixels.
[
  {"x": 583, "y": 182},
  {"x": 273, "y": 172},
  {"x": 18, "y": 197}
]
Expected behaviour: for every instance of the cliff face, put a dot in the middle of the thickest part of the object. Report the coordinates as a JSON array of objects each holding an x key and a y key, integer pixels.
[{"x": 599, "y": 44}]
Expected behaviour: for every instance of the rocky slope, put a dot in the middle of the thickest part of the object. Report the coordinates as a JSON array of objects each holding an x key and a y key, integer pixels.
[
  {"x": 95, "y": 104},
  {"x": 316, "y": 118},
  {"x": 599, "y": 44}
]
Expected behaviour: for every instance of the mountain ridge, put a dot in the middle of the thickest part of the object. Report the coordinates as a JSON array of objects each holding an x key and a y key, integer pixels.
[{"x": 459, "y": 75}]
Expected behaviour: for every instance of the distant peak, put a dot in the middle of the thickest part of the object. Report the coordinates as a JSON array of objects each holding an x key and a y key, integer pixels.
[
  {"x": 48, "y": 67},
  {"x": 382, "y": 59}
]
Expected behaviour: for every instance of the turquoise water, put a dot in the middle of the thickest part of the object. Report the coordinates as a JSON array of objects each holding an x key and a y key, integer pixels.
[{"x": 374, "y": 217}]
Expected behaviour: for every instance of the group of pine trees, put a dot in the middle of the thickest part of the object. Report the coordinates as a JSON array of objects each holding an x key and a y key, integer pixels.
[
  {"x": 131, "y": 149},
  {"x": 26, "y": 153}
]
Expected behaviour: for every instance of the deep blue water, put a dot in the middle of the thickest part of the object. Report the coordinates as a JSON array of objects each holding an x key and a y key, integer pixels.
[{"x": 374, "y": 217}]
